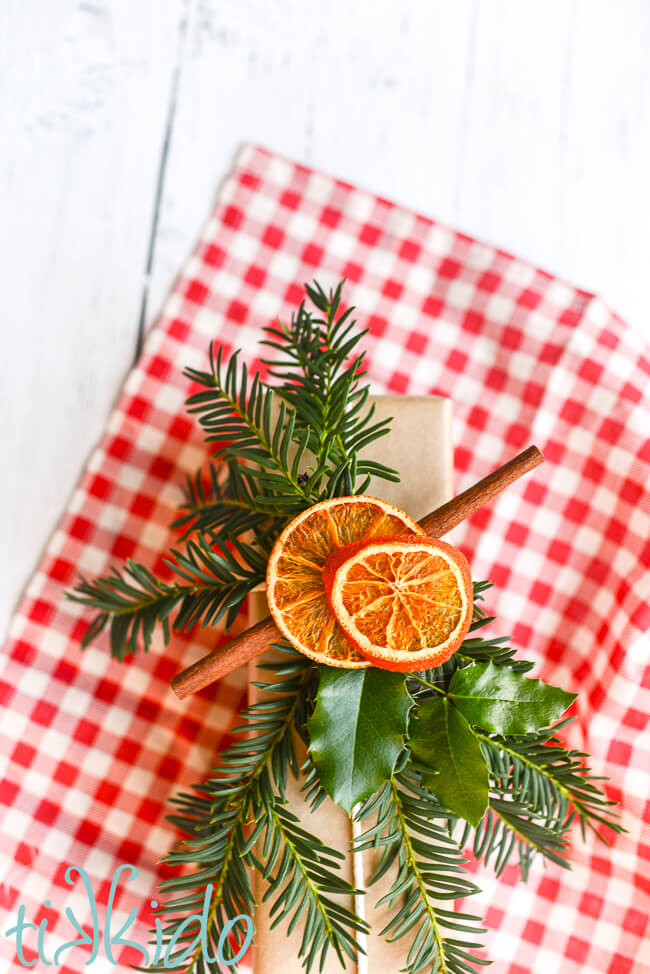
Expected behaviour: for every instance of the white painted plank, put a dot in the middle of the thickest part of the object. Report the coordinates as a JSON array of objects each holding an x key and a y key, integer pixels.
[
  {"x": 524, "y": 124},
  {"x": 511, "y": 185},
  {"x": 367, "y": 90},
  {"x": 557, "y": 142},
  {"x": 85, "y": 96},
  {"x": 608, "y": 153}
]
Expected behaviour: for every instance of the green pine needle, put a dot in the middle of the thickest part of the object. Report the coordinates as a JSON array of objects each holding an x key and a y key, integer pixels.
[
  {"x": 233, "y": 409},
  {"x": 320, "y": 369},
  {"x": 237, "y": 822},
  {"x": 554, "y": 778},
  {"x": 409, "y": 831},
  {"x": 537, "y": 786},
  {"x": 229, "y": 506},
  {"x": 214, "y": 581}
]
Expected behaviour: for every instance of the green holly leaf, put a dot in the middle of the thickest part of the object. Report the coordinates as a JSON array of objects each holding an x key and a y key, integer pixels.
[
  {"x": 357, "y": 730},
  {"x": 502, "y": 700},
  {"x": 450, "y": 759}
]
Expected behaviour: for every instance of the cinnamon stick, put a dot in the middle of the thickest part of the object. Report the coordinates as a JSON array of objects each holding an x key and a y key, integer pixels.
[
  {"x": 224, "y": 659},
  {"x": 444, "y": 518},
  {"x": 255, "y": 640}
]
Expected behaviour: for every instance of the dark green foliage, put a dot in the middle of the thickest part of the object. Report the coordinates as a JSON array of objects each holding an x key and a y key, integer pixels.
[
  {"x": 517, "y": 820},
  {"x": 281, "y": 449},
  {"x": 232, "y": 408},
  {"x": 537, "y": 788},
  {"x": 239, "y": 814},
  {"x": 214, "y": 583},
  {"x": 228, "y": 505},
  {"x": 489, "y": 696},
  {"x": 302, "y": 876},
  {"x": 320, "y": 369},
  {"x": 449, "y": 758},
  {"x": 409, "y": 830},
  {"x": 133, "y": 602},
  {"x": 548, "y": 771},
  {"x": 357, "y": 730}
]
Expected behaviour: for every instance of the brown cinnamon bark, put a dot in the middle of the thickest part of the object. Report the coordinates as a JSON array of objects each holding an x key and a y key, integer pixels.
[
  {"x": 444, "y": 518},
  {"x": 236, "y": 652}
]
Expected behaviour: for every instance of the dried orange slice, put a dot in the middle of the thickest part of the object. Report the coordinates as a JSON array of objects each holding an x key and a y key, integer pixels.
[
  {"x": 405, "y": 603},
  {"x": 294, "y": 580}
]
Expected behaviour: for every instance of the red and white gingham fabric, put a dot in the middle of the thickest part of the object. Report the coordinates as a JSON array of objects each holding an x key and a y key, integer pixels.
[{"x": 92, "y": 750}]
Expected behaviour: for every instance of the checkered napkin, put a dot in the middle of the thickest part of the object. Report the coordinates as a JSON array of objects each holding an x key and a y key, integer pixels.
[{"x": 92, "y": 750}]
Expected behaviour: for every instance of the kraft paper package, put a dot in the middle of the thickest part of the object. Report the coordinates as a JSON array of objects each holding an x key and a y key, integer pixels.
[{"x": 419, "y": 446}]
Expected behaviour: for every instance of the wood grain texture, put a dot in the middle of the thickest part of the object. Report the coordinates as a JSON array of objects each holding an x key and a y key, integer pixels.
[
  {"x": 525, "y": 124},
  {"x": 85, "y": 98}
]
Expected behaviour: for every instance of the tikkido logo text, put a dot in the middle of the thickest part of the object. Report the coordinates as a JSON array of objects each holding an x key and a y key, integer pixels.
[{"x": 34, "y": 937}]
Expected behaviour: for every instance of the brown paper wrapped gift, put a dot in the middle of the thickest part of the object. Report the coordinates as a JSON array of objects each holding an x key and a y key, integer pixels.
[{"x": 420, "y": 448}]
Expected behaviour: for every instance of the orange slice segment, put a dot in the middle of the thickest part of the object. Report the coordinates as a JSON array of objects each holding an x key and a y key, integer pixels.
[
  {"x": 404, "y": 603},
  {"x": 295, "y": 589}
]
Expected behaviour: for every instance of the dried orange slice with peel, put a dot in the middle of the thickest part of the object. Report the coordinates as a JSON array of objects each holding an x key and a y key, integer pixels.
[
  {"x": 405, "y": 603},
  {"x": 295, "y": 589}
]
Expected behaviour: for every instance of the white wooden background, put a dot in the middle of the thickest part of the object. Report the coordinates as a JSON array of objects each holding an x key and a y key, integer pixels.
[{"x": 526, "y": 122}]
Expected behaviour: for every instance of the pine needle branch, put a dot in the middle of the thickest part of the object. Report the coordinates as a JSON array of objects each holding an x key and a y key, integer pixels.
[
  {"x": 320, "y": 370},
  {"x": 214, "y": 583},
  {"x": 230, "y": 409},
  {"x": 228, "y": 505},
  {"x": 243, "y": 807},
  {"x": 552, "y": 779},
  {"x": 301, "y": 871},
  {"x": 516, "y": 820},
  {"x": 132, "y": 602},
  {"x": 220, "y": 821},
  {"x": 265, "y": 452},
  {"x": 409, "y": 829}
]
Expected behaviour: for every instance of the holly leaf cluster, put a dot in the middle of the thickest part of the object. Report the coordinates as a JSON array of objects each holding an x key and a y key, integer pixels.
[
  {"x": 485, "y": 697},
  {"x": 364, "y": 719},
  {"x": 464, "y": 755}
]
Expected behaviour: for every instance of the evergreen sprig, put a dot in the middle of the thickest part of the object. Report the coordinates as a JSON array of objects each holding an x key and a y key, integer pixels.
[
  {"x": 320, "y": 370},
  {"x": 270, "y": 464},
  {"x": 554, "y": 777},
  {"x": 516, "y": 821},
  {"x": 215, "y": 580},
  {"x": 227, "y": 505},
  {"x": 237, "y": 821},
  {"x": 242, "y": 413},
  {"x": 302, "y": 875},
  {"x": 537, "y": 788},
  {"x": 409, "y": 831}
]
